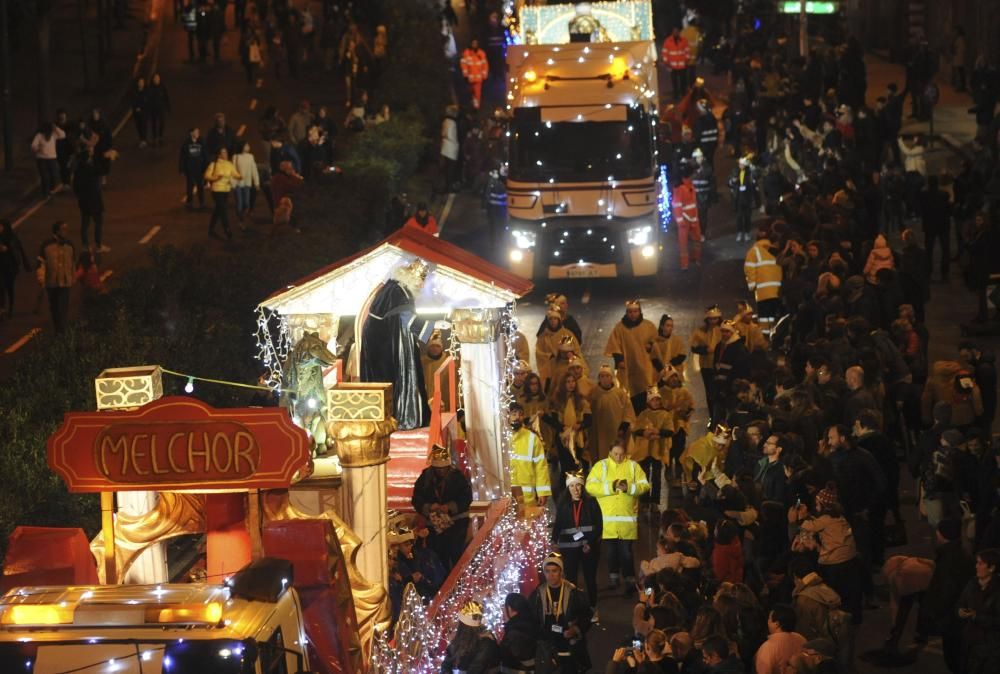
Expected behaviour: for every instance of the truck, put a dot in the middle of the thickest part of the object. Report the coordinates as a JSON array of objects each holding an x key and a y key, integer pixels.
[
  {"x": 584, "y": 189},
  {"x": 251, "y": 624}
]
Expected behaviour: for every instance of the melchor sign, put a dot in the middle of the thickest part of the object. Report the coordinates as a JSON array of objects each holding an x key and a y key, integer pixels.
[{"x": 176, "y": 444}]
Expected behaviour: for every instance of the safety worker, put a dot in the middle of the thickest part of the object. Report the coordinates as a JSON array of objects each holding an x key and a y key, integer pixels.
[
  {"x": 743, "y": 188},
  {"x": 678, "y": 399},
  {"x": 732, "y": 362},
  {"x": 651, "y": 434},
  {"x": 550, "y": 337},
  {"x": 475, "y": 70},
  {"x": 706, "y": 131},
  {"x": 703, "y": 342},
  {"x": 631, "y": 344},
  {"x": 703, "y": 180},
  {"x": 685, "y": 207},
  {"x": 704, "y": 457},
  {"x": 612, "y": 413},
  {"x": 529, "y": 470},
  {"x": 431, "y": 360},
  {"x": 669, "y": 347},
  {"x": 763, "y": 275},
  {"x": 675, "y": 54},
  {"x": 617, "y": 482},
  {"x": 749, "y": 329}
]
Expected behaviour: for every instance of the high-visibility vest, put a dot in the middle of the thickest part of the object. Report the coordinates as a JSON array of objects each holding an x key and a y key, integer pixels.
[
  {"x": 675, "y": 53},
  {"x": 528, "y": 468},
  {"x": 685, "y": 204},
  {"x": 762, "y": 271},
  {"x": 619, "y": 510},
  {"x": 474, "y": 65}
]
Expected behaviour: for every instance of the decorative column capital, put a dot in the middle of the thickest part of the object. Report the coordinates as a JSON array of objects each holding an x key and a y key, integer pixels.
[
  {"x": 360, "y": 422},
  {"x": 476, "y": 326},
  {"x": 128, "y": 388}
]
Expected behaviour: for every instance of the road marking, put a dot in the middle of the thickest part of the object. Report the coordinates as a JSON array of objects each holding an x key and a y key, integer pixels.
[
  {"x": 240, "y": 131},
  {"x": 253, "y": 103},
  {"x": 24, "y": 340},
  {"x": 106, "y": 275},
  {"x": 446, "y": 212},
  {"x": 586, "y": 297},
  {"x": 122, "y": 123},
  {"x": 28, "y": 213},
  {"x": 149, "y": 235}
]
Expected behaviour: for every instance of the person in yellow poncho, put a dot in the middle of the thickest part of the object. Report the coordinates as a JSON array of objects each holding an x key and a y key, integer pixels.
[
  {"x": 612, "y": 413},
  {"x": 577, "y": 367},
  {"x": 651, "y": 435},
  {"x": 669, "y": 347},
  {"x": 617, "y": 482},
  {"x": 529, "y": 470},
  {"x": 748, "y": 328},
  {"x": 678, "y": 399},
  {"x": 630, "y": 344},
  {"x": 569, "y": 416},
  {"x": 705, "y": 456},
  {"x": 550, "y": 337},
  {"x": 569, "y": 351},
  {"x": 520, "y": 373},
  {"x": 520, "y": 345},
  {"x": 431, "y": 360},
  {"x": 703, "y": 343}
]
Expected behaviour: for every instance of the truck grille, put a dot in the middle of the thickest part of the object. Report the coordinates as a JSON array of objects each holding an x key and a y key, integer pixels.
[{"x": 566, "y": 245}]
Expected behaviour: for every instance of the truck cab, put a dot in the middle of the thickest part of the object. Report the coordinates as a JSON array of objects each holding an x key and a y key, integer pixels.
[{"x": 252, "y": 624}]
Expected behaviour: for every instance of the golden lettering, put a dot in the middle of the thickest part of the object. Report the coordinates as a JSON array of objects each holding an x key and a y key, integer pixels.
[
  {"x": 244, "y": 452},
  {"x": 152, "y": 456},
  {"x": 121, "y": 444},
  {"x": 203, "y": 453},
  {"x": 170, "y": 452},
  {"x": 137, "y": 454},
  {"x": 221, "y": 438}
]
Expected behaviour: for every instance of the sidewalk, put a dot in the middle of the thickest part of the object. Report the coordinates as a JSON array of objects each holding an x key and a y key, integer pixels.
[{"x": 19, "y": 187}]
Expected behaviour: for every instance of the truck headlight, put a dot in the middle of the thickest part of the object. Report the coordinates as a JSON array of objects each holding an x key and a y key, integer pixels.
[
  {"x": 639, "y": 236},
  {"x": 516, "y": 255},
  {"x": 524, "y": 239}
]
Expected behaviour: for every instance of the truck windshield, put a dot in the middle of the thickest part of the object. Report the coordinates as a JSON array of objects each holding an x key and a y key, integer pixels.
[
  {"x": 580, "y": 151},
  {"x": 180, "y": 656}
]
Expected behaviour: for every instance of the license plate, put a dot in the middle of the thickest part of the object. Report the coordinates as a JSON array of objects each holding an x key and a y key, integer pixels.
[{"x": 585, "y": 270}]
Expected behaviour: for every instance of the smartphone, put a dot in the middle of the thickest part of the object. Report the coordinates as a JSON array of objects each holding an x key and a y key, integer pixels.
[
  {"x": 637, "y": 644},
  {"x": 649, "y": 591}
]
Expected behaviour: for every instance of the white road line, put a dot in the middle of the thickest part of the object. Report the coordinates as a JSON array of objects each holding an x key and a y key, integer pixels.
[
  {"x": 24, "y": 340},
  {"x": 586, "y": 297},
  {"x": 446, "y": 212},
  {"x": 27, "y": 214},
  {"x": 149, "y": 235},
  {"x": 240, "y": 131},
  {"x": 128, "y": 116},
  {"x": 106, "y": 275},
  {"x": 253, "y": 103}
]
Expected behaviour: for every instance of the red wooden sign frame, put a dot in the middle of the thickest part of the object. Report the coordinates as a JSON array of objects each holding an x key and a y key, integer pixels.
[{"x": 176, "y": 444}]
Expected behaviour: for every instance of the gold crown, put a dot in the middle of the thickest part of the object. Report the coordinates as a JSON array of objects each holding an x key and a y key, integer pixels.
[
  {"x": 440, "y": 456},
  {"x": 554, "y": 310},
  {"x": 653, "y": 392},
  {"x": 472, "y": 607},
  {"x": 605, "y": 369},
  {"x": 566, "y": 343},
  {"x": 713, "y": 312},
  {"x": 669, "y": 371},
  {"x": 555, "y": 298},
  {"x": 575, "y": 476},
  {"x": 415, "y": 272},
  {"x": 471, "y": 614},
  {"x": 729, "y": 325},
  {"x": 522, "y": 366},
  {"x": 633, "y": 303}
]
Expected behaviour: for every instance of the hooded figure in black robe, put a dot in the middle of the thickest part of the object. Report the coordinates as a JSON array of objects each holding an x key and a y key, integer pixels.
[{"x": 389, "y": 348}]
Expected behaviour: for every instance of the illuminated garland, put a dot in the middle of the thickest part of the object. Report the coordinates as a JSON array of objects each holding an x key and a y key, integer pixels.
[
  {"x": 273, "y": 344},
  {"x": 514, "y": 549},
  {"x": 664, "y": 199},
  {"x": 505, "y": 398}
]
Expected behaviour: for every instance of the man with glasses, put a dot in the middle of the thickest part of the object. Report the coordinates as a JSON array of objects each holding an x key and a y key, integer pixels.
[{"x": 770, "y": 473}]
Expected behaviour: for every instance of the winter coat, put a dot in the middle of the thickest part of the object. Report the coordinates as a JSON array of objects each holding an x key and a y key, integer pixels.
[
  {"x": 727, "y": 561},
  {"x": 880, "y": 257},
  {"x": 860, "y": 481},
  {"x": 565, "y": 532},
  {"x": 193, "y": 158},
  {"x": 940, "y": 386},
  {"x": 157, "y": 99},
  {"x": 836, "y": 540},
  {"x": 813, "y": 600},
  {"x": 520, "y": 639},
  {"x": 87, "y": 187},
  {"x": 980, "y": 644},
  {"x": 246, "y": 165}
]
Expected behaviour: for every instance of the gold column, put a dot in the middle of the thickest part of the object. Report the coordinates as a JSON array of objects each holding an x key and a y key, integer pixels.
[
  {"x": 478, "y": 331},
  {"x": 360, "y": 423}
]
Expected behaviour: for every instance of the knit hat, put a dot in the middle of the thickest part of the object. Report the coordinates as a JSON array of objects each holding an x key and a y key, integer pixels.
[
  {"x": 824, "y": 647},
  {"x": 949, "y": 529},
  {"x": 575, "y": 477},
  {"x": 553, "y": 558},
  {"x": 471, "y": 614},
  {"x": 827, "y": 498},
  {"x": 953, "y": 437}
]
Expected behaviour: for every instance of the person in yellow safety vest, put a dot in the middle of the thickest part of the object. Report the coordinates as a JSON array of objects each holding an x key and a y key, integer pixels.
[
  {"x": 529, "y": 470},
  {"x": 707, "y": 454},
  {"x": 680, "y": 402},
  {"x": 692, "y": 34},
  {"x": 763, "y": 274},
  {"x": 685, "y": 209},
  {"x": 617, "y": 482},
  {"x": 749, "y": 329},
  {"x": 652, "y": 432},
  {"x": 475, "y": 70}
]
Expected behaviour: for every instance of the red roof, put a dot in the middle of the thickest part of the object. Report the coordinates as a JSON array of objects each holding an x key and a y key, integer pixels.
[{"x": 436, "y": 251}]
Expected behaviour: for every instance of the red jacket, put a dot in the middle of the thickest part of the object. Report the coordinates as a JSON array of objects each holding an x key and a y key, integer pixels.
[
  {"x": 475, "y": 68},
  {"x": 430, "y": 228},
  {"x": 685, "y": 204},
  {"x": 727, "y": 562},
  {"x": 675, "y": 53}
]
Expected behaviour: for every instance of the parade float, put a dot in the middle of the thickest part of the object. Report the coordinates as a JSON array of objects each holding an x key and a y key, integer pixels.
[{"x": 293, "y": 501}]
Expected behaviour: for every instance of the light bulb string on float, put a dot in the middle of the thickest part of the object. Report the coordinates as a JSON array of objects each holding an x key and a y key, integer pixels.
[{"x": 223, "y": 382}]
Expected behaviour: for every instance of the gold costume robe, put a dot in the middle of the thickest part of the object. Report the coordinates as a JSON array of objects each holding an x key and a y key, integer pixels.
[{"x": 632, "y": 344}]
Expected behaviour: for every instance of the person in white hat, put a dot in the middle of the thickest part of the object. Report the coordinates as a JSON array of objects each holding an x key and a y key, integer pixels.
[
  {"x": 552, "y": 336},
  {"x": 577, "y": 532},
  {"x": 568, "y": 320},
  {"x": 473, "y": 649},
  {"x": 612, "y": 414},
  {"x": 630, "y": 344},
  {"x": 442, "y": 495},
  {"x": 651, "y": 435},
  {"x": 564, "y": 616}
]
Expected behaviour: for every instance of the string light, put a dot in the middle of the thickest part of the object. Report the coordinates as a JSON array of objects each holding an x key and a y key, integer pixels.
[
  {"x": 191, "y": 379},
  {"x": 664, "y": 199},
  {"x": 189, "y": 386},
  {"x": 273, "y": 344}
]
